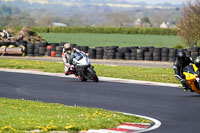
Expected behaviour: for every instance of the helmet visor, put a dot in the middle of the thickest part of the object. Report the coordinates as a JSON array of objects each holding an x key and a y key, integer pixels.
[{"x": 67, "y": 49}]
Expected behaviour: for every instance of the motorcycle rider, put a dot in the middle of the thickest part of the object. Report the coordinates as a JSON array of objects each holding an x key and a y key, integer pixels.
[
  {"x": 197, "y": 61},
  {"x": 180, "y": 63},
  {"x": 67, "y": 56}
]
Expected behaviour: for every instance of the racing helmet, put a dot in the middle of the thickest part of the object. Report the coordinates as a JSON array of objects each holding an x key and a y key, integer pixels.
[
  {"x": 197, "y": 61},
  {"x": 181, "y": 55},
  {"x": 67, "y": 47}
]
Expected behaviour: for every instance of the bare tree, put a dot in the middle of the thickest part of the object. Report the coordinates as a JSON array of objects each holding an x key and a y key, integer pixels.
[
  {"x": 189, "y": 25},
  {"x": 159, "y": 18},
  {"x": 118, "y": 19}
]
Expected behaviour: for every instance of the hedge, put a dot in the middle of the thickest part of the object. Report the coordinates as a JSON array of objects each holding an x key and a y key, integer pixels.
[{"x": 106, "y": 30}]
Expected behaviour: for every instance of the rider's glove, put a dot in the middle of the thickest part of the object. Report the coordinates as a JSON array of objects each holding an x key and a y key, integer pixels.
[
  {"x": 87, "y": 54},
  {"x": 71, "y": 66}
]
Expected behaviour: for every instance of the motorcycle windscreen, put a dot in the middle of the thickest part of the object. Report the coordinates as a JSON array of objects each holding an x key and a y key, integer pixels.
[
  {"x": 189, "y": 69},
  {"x": 78, "y": 56},
  {"x": 189, "y": 73}
]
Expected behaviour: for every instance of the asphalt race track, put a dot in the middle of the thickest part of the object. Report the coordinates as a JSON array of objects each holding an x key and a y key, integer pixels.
[{"x": 178, "y": 111}]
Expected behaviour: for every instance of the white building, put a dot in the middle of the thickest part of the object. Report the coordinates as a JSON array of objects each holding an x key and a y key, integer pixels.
[
  {"x": 165, "y": 25},
  {"x": 59, "y": 24}
]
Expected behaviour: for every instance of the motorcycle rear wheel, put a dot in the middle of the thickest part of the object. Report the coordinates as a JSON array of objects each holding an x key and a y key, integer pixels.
[{"x": 92, "y": 75}]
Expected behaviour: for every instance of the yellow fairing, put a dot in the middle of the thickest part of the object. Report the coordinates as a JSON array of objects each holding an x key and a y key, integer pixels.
[
  {"x": 195, "y": 67},
  {"x": 191, "y": 78}
]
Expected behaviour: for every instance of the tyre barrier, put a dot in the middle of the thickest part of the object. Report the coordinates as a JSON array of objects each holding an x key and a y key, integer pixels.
[{"x": 108, "y": 52}]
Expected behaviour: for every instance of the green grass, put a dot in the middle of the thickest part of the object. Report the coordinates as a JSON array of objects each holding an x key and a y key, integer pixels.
[
  {"x": 93, "y": 40},
  {"x": 125, "y": 72},
  {"x": 24, "y": 115}
]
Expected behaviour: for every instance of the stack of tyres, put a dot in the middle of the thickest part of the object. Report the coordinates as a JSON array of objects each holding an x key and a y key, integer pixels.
[
  {"x": 125, "y": 50},
  {"x": 111, "y": 52},
  {"x": 30, "y": 49},
  {"x": 105, "y": 52},
  {"x": 127, "y": 56},
  {"x": 36, "y": 49},
  {"x": 75, "y": 46},
  {"x": 165, "y": 54},
  {"x": 134, "y": 53},
  {"x": 126, "y": 53},
  {"x": 58, "y": 51},
  {"x": 62, "y": 44},
  {"x": 151, "y": 49},
  {"x": 84, "y": 48},
  {"x": 172, "y": 54},
  {"x": 119, "y": 54},
  {"x": 157, "y": 54},
  {"x": 148, "y": 56},
  {"x": 99, "y": 52},
  {"x": 194, "y": 52},
  {"x": 42, "y": 48},
  {"x": 140, "y": 54},
  {"x": 92, "y": 53}
]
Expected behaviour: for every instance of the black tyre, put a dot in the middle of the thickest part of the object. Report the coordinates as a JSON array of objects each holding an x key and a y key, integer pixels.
[
  {"x": 30, "y": 54},
  {"x": 133, "y": 58},
  {"x": 172, "y": 59},
  {"x": 99, "y": 56},
  {"x": 157, "y": 58},
  {"x": 82, "y": 79},
  {"x": 92, "y": 56},
  {"x": 118, "y": 54},
  {"x": 43, "y": 44},
  {"x": 58, "y": 48},
  {"x": 165, "y": 58},
  {"x": 172, "y": 50},
  {"x": 157, "y": 50},
  {"x": 48, "y": 53},
  {"x": 150, "y": 58},
  {"x": 151, "y": 49},
  {"x": 172, "y": 54},
  {"x": 92, "y": 75},
  {"x": 165, "y": 50},
  {"x": 156, "y": 54},
  {"x": 30, "y": 51},
  {"x": 42, "y": 50},
  {"x": 30, "y": 46},
  {"x": 164, "y": 54}
]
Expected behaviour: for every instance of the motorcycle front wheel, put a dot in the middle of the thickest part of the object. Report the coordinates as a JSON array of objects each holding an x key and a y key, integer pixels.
[{"x": 92, "y": 75}]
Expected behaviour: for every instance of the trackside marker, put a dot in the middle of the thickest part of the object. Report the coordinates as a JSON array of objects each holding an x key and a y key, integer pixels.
[{"x": 136, "y": 125}]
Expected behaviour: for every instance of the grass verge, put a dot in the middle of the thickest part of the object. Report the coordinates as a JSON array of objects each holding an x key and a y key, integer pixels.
[
  {"x": 122, "y": 40},
  {"x": 23, "y": 115},
  {"x": 165, "y": 75}
]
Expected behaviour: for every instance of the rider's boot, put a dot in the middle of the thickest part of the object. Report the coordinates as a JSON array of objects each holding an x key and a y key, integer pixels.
[
  {"x": 185, "y": 89},
  {"x": 69, "y": 72},
  {"x": 66, "y": 73}
]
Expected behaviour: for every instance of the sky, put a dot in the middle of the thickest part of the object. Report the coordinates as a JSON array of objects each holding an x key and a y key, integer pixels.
[{"x": 161, "y": 1}]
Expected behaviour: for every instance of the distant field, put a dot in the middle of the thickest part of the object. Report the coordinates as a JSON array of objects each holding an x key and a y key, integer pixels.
[{"x": 93, "y": 40}]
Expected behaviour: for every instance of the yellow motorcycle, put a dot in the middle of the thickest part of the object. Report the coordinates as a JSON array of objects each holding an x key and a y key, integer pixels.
[{"x": 191, "y": 73}]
